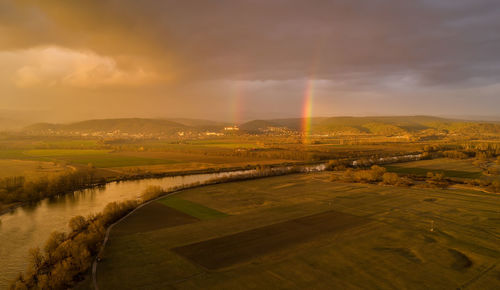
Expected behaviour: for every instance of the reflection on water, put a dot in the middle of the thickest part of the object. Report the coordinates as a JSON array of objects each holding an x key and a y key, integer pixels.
[{"x": 30, "y": 225}]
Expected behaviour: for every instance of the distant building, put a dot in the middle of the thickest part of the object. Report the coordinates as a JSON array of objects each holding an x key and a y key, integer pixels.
[
  {"x": 232, "y": 128},
  {"x": 213, "y": 134}
]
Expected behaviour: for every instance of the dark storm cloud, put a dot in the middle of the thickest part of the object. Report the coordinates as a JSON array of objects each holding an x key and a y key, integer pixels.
[
  {"x": 392, "y": 57},
  {"x": 436, "y": 41}
]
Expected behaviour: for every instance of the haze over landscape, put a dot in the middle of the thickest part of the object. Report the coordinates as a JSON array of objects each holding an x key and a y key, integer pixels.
[{"x": 250, "y": 144}]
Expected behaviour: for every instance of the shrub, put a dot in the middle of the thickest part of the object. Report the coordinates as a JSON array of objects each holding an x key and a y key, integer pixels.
[
  {"x": 78, "y": 223},
  {"x": 18, "y": 188},
  {"x": 390, "y": 178},
  {"x": 151, "y": 192},
  {"x": 495, "y": 186},
  {"x": 437, "y": 179}
]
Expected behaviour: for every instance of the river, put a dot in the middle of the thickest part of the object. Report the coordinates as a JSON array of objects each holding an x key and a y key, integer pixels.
[{"x": 29, "y": 226}]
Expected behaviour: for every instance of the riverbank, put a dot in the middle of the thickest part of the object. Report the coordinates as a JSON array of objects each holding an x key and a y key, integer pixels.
[
  {"x": 412, "y": 156},
  {"x": 208, "y": 180},
  {"x": 6, "y": 208}
]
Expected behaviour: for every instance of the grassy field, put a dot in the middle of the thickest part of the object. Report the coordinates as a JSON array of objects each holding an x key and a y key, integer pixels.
[
  {"x": 130, "y": 161},
  {"x": 303, "y": 231},
  {"x": 29, "y": 168},
  {"x": 450, "y": 168},
  {"x": 443, "y": 164},
  {"x": 193, "y": 209}
]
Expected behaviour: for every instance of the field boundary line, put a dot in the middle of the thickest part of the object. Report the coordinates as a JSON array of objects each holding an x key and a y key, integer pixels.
[{"x": 96, "y": 260}]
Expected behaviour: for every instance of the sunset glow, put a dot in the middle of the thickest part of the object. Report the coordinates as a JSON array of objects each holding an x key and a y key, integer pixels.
[{"x": 249, "y": 144}]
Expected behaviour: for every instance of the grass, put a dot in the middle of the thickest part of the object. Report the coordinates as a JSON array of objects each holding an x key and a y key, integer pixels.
[
  {"x": 240, "y": 247},
  {"x": 113, "y": 160},
  {"x": 193, "y": 209},
  {"x": 449, "y": 167},
  {"x": 229, "y": 143},
  {"x": 443, "y": 164},
  {"x": 132, "y": 161},
  {"x": 19, "y": 155},
  {"x": 28, "y": 168},
  {"x": 164, "y": 216},
  {"x": 270, "y": 240},
  {"x": 64, "y": 152},
  {"x": 424, "y": 171},
  {"x": 98, "y": 158}
]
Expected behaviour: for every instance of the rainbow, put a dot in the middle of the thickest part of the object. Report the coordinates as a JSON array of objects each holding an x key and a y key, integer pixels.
[
  {"x": 307, "y": 111},
  {"x": 237, "y": 105}
]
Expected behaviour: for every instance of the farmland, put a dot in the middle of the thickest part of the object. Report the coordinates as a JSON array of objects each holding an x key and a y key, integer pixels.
[
  {"x": 126, "y": 161},
  {"x": 131, "y": 157},
  {"x": 449, "y": 167},
  {"x": 29, "y": 168},
  {"x": 305, "y": 231}
]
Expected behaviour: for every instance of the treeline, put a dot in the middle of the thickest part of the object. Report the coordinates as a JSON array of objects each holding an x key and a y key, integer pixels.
[
  {"x": 367, "y": 162},
  {"x": 65, "y": 257},
  {"x": 21, "y": 189},
  {"x": 375, "y": 174},
  {"x": 261, "y": 171},
  {"x": 490, "y": 185},
  {"x": 481, "y": 151},
  {"x": 378, "y": 175}
]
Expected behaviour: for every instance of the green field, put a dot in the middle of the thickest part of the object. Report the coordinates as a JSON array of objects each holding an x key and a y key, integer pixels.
[
  {"x": 449, "y": 167},
  {"x": 305, "y": 232},
  {"x": 10, "y": 167},
  {"x": 63, "y": 152},
  {"x": 19, "y": 155},
  {"x": 98, "y": 158},
  {"x": 113, "y": 160},
  {"x": 231, "y": 144},
  {"x": 443, "y": 164},
  {"x": 133, "y": 160},
  {"x": 193, "y": 209}
]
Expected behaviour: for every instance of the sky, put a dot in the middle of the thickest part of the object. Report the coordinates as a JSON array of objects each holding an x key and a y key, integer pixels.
[{"x": 236, "y": 60}]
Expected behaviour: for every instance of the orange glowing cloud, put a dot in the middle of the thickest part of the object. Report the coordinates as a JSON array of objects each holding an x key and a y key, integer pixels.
[{"x": 57, "y": 66}]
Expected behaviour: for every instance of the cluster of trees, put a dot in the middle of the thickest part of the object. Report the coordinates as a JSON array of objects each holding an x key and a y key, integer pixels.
[
  {"x": 481, "y": 151},
  {"x": 372, "y": 175},
  {"x": 377, "y": 174},
  {"x": 338, "y": 165},
  {"x": 454, "y": 154},
  {"x": 14, "y": 189},
  {"x": 260, "y": 172},
  {"x": 65, "y": 257},
  {"x": 491, "y": 185},
  {"x": 391, "y": 178},
  {"x": 343, "y": 164},
  {"x": 436, "y": 180}
]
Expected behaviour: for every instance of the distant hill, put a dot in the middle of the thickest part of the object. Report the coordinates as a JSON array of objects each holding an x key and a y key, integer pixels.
[
  {"x": 201, "y": 124},
  {"x": 132, "y": 126},
  {"x": 387, "y": 126},
  {"x": 258, "y": 125}
]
